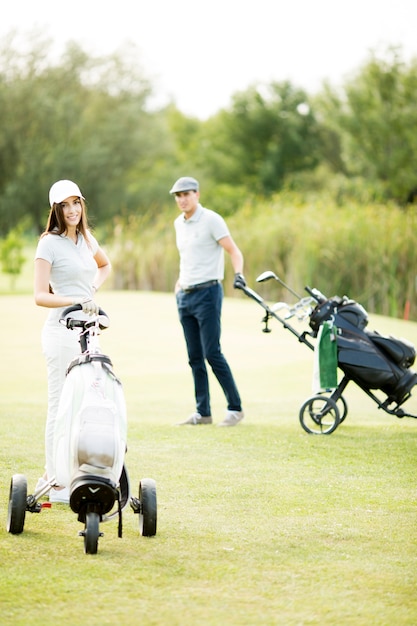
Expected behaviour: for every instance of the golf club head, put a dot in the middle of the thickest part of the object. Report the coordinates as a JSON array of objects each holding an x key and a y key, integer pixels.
[
  {"x": 278, "y": 306},
  {"x": 266, "y": 276}
]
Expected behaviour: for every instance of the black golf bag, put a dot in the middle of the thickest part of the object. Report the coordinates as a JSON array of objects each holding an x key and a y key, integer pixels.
[{"x": 371, "y": 360}]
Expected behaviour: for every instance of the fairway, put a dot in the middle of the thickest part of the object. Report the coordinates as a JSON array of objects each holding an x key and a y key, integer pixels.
[{"x": 260, "y": 524}]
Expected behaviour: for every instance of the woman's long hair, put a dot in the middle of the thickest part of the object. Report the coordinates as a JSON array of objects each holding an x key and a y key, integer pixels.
[{"x": 56, "y": 222}]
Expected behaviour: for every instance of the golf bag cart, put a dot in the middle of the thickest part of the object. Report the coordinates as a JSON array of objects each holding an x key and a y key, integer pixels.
[
  {"x": 89, "y": 445},
  {"x": 379, "y": 365}
]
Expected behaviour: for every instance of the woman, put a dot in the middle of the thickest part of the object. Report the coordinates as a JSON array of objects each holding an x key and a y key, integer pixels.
[{"x": 70, "y": 267}]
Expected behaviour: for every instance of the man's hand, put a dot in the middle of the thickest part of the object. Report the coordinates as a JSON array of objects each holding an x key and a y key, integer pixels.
[{"x": 239, "y": 281}]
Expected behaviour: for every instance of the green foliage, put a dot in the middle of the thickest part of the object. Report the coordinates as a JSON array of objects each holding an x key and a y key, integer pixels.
[
  {"x": 11, "y": 254},
  {"x": 265, "y": 135},
  {"x": 83, "y": 119},
  {"x": 366, "y": 252},
  {"x": 306, "y": 182},
  {"x": 92, "y": 119},
  {"x": 361, "y": 248},
  {"x": 374, "y": 118},
  {"x": 143, "y": 254}
]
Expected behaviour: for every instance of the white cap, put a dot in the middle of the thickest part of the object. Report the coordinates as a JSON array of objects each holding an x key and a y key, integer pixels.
[{"x": 63, "y": 189}]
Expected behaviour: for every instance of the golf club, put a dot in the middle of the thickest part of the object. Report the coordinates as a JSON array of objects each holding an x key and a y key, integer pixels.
[{"x": 268, "y": 275}]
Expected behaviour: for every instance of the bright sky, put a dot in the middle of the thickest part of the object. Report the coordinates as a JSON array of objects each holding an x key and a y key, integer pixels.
[{"x": 198, "y": 53}]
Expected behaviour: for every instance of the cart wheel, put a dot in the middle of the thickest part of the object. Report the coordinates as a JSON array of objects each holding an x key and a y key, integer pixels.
[
  {"x": 319, "y": 415},
  {"x": 342, "y": 406},
  {"x": 148, "y": 512},
  {"x": 91, "y": 533},
  {"x": 17, "y": 504}
]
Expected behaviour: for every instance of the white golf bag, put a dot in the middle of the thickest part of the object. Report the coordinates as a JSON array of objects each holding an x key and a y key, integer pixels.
[
  {"x": 89, "y": 445},
  {"x": 91, "y": 432}
]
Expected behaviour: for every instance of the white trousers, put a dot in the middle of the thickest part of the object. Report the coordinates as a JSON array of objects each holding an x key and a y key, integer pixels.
[{"x": 59, "y": 345}]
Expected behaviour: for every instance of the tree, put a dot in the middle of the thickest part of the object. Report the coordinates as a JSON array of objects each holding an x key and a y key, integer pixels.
[
  {"x": 375, "y": 119},
  {"x": 82, "y": 118},
  {"x": 268, "y": 133},
  {"x": 11, "y": 255}
]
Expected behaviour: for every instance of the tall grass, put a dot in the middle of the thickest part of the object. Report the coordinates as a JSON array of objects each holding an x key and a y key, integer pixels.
[{"x": 367, "y": 252}]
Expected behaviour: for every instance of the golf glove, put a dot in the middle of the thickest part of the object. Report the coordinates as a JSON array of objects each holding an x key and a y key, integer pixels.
[
  {"x": 89, "y": 306},
  {"x": 239, "y": 281}
]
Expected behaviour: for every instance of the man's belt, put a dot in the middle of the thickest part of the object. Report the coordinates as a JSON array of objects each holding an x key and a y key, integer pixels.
[{"x": 208, "y": 283}]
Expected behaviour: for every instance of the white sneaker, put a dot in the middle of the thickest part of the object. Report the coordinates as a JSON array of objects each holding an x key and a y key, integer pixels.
[
  {"x": 195, "y": 419},
  {"x": 232, "y": 418},
  {"x": 59, "y": 495},
  {"x": 40, "y": 484}
]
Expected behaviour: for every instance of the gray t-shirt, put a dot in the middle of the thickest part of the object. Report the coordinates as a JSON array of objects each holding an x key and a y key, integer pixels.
[
  {"x": 201, "y": 256},
  {"x": 73, "y": 267}
]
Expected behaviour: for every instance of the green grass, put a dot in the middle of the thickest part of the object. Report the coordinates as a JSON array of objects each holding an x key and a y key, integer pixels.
[{"x": 258, "y": 524}]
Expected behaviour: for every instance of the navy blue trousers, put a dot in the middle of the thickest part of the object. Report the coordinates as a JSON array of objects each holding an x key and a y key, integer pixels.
[{"x": 200, "y": 315}]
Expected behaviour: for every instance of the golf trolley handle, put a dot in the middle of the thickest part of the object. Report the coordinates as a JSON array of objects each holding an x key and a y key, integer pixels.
[
  {"x": 270, "y": 313},
  {"x": 78, "y": 307},
  {"x": 251, "y": 293},
  {"x": 316, "y": 294}
]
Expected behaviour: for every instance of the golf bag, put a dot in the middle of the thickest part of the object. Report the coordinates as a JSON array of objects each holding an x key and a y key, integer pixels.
[
  {"x": 90, "y": 433},
  {"x": 89, "y": 446},
  {"x": 371, "y": 360}
]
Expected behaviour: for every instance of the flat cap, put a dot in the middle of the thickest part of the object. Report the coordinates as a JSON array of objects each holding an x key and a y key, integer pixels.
[{"x": 186, "y": 183}]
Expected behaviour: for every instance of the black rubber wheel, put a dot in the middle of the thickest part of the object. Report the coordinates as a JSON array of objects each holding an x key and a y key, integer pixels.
[
  {"x": 17, "y": 504},
  {"x": 148, "y": 507},
  {"x": 91, "y": 533},
  {"x": 319, "y": 415}
]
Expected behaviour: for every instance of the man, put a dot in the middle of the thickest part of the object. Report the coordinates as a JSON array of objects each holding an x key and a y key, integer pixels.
[{"x": 202, "y": 236}]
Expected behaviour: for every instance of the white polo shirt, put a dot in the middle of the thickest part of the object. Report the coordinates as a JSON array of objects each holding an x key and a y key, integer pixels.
[
  {"x": 73, "y": 267},
  {"x": 201, "y": 256}
]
